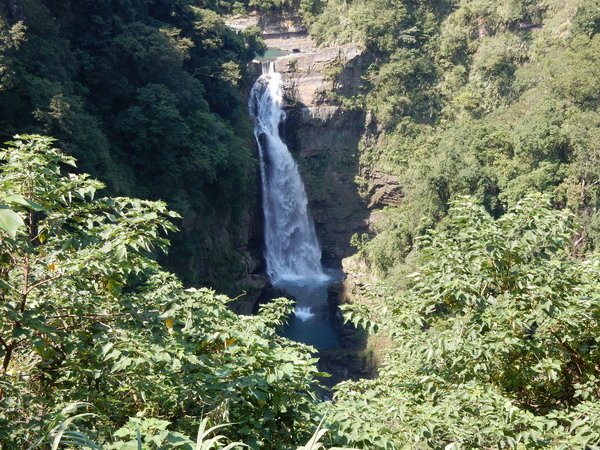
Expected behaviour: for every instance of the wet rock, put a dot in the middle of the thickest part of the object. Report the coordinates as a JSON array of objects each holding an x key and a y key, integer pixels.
[
  {"x": 324, "y": 137},
  {"x": 346, "y": 364},
  {"x": 270, "y": 293}
]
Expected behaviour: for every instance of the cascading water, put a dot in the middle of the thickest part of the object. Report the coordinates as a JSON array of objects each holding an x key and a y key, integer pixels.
[{"x": 292, "y": 251}]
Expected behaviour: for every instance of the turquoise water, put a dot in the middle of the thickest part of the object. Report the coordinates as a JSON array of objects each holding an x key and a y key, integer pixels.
[
  {"x": 273, "y": 53},
  {"x": 313, "y": 322}
]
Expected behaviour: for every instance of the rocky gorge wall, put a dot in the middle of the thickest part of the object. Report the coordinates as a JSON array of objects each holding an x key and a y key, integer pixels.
[
  {"x": 322, "y": 135},
  {"x": 324, "y": 138}
]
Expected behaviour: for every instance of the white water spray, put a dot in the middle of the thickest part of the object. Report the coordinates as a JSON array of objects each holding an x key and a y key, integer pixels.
[
  {"x": 303, "y": 313},
  {"x": 292, "y": 251}
]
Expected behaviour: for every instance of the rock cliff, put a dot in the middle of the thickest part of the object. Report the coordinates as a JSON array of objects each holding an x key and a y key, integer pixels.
[{"x": 324, "y": 137}]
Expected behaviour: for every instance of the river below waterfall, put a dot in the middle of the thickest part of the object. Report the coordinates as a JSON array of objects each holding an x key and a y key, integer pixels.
[
  {"x": 313, "y": 321},
  {"x": 292, "y": 251}
]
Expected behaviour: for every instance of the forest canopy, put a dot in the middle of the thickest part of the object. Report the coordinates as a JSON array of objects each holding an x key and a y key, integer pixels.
[
  {"x": 147, "y": 96},
  {"x": 91, "y": 324},
  {"x": 491, "y": 99},
  {"x": 484, "y": 279}
]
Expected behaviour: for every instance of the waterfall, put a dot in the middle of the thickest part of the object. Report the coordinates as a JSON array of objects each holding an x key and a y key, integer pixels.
[{"x": 292, "y": 251}]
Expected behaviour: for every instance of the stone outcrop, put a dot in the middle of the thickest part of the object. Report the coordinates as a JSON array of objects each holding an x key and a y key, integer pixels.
[
  {"x": 384, "y": 189},
  {"x": 272, "y": 24},
  {"x": 253, "y": 288},
  {"x": 309, "y": 75},
  {"x": 324, "y": 137}
]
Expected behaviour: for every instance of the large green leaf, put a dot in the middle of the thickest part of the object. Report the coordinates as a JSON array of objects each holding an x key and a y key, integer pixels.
[
  {"x": 10, "y": 221},
  {"x": 20, "y": 200}
]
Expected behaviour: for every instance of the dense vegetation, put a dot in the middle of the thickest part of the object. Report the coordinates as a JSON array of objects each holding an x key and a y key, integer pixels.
[
  {"x": 306, "y": 10},
  {"x": 495, "y": 335},
  {"x": 146, "y": 94},
  {"x": 487, "y": 275},
  {"x": 495, "y": 339},
  {"x": 89, "y": 317},
  {"x": 492, "y": 99},
  {"x": 491, "y": 302}
]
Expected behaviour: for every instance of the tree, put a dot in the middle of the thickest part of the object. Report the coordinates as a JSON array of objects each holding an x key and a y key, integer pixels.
[
  {"x": 89, "y": 316},
  {"x": 495, "y": 340},
  {"x": 132, "y": 89}
]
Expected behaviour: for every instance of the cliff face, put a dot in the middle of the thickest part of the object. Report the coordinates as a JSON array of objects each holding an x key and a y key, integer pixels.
[
  {"x": 323, "y": 134},
  {"x": 324, "y": 137}
]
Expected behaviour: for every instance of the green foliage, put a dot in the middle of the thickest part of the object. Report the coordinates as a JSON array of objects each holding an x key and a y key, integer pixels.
[
  {"x": 10, "y": 41},
  {"x": 491, "y": 300},
  {"x": 495, "y": 340},
  {"x": 308, "y": 10},
  {"x": 147, "y": 96},
  {"x": 89, "y": 316},
  {"x": 587, "y": 18},
  {"x": 259, "y": 5},
  {"x": 10, "y": 221},
  {"x": 153, "y": 433},
  {"x": 491, "y": 99},
  {"x": 61, "y": 429}
]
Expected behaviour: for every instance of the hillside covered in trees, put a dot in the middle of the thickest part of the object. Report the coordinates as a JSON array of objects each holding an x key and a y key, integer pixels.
[
  {"x": 148, "y": 97},
  {"x": 484, "y": 281},
  {"x": 494, "y": 338},
  {"x": 491, "y": 99}
]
